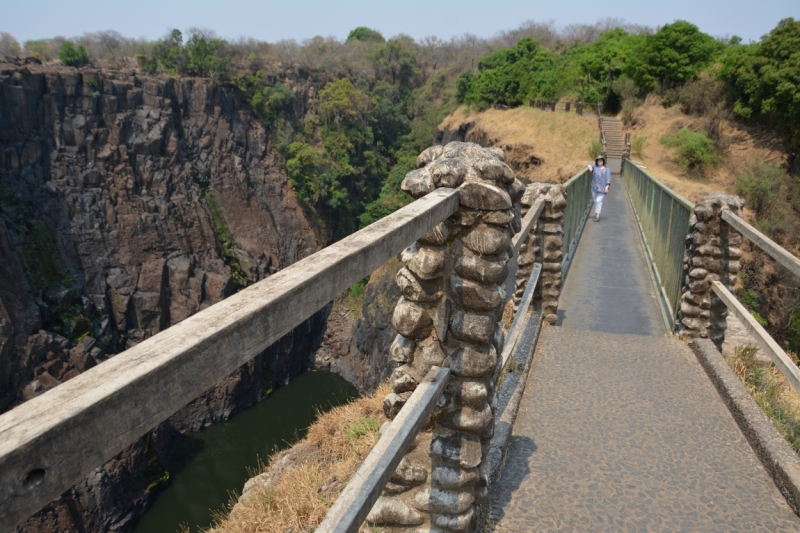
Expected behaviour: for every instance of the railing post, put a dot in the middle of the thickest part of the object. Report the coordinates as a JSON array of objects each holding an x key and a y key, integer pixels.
[
  {"x": 712, "y": 254},
  {"x": 566, "y": 106},
  {"x": 448, "y": 315},
  {"x": 579, "y": 108},
  {"x": 543, "y": 245}
]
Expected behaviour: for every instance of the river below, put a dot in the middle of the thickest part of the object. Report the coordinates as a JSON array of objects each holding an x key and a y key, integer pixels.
[{"x": 210, "y": 465}]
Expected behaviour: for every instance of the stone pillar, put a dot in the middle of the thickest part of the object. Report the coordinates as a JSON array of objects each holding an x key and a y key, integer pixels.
[
  {"x": 452, "y": 286},
  {"x": 552, "y": 105},
  {"x": 543, "y": 245},
  {"x": 712, "y": 254},
  {"x": 567, "y": 106},
  {"x": 579, "y": 108}
]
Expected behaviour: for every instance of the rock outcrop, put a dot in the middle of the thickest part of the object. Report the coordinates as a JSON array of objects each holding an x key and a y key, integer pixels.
[{"x": 127, "y": 204}]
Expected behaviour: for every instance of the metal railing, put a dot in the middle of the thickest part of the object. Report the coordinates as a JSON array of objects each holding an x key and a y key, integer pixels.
[
  {"x": 663, "y": 219},
  {"x": 579, "y": 202}
]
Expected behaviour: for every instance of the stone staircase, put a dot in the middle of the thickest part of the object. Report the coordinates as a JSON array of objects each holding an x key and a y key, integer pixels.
[{"x": 613, "y": 143}]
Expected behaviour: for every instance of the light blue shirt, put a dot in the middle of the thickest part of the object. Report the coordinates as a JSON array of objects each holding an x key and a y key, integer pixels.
[{"x": 600, "y": 178}]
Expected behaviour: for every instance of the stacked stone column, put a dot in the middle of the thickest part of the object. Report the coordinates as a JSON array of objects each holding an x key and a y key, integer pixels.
[
  {"x": 712, "y": 254},
  {"x": 452, "y": 299},
  {"x": 544, "y": 244}
]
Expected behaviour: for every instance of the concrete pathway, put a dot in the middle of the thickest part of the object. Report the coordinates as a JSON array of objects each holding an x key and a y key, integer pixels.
[{"x": 619, "y": 428}]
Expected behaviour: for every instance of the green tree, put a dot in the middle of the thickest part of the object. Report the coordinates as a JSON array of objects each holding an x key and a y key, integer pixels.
[
  {"x": 511, "y": 75},
  {"x": 341, "y": 101},
  {"x": 396, "y": 61},
  {"x": 362, "y": 33},
  {"x": 71, "y": 56},
  {"x": 764, "y": 78},
  {"x": 208, "y": 58},
  {"x": 675, "y": 54}
]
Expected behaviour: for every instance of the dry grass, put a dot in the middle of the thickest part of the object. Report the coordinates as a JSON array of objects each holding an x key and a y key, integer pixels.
[
  {"x": 771, "y": 392},
  {"x": 557, "y": 141},
  {"x": 742, "y": 145},
  {"x": 298, "y": 497}
]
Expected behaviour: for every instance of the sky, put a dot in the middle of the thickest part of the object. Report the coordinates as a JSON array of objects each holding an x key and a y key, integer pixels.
[{"x": 273, "y": 20}]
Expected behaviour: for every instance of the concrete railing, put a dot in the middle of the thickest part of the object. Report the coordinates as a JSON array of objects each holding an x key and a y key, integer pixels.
[{"x": 53, "y": 441}]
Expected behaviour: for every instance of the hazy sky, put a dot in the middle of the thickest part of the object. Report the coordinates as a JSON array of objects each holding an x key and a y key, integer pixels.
[{"x": 272, "y": 20}]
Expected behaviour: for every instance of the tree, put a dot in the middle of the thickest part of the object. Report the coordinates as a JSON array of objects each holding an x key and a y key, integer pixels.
[
  {"x": 764, "y": 78},
  {"x": 207, "y": 57},
  {"x": 397, "y": 60},
  {"x": 675, "y": 54},
  {"x": 364, "y": 34},
  {"x": 340, "y": 101},
  {"x": 9, "y": 47},
  {"x": 71, "y": 56}
]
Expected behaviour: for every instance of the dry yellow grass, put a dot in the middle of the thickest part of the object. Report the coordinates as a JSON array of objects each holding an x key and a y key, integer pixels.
[
  {"x": 743, "y": 146},
  {"x": 558, "y": 141},
  {"x": 298, "y": 496}
]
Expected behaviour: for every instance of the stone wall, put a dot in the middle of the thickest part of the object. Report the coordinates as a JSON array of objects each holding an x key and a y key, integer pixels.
[
  {"x": 452, "y": 299},
  {"x": 712, "y": 254}
]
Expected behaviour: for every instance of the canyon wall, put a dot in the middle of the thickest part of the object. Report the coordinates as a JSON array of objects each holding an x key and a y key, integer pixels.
[{"x": 128, "y": 203}]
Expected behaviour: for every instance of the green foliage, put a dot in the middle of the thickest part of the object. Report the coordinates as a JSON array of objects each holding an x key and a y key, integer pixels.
[
  {"x": 694, "y": 149},
  {"x": 202, "y": 55},
  {"x": 675, "y": 55},
  {"x": 226, "y": 241},
  {"x": 354, "y": 296},
  {"x": 396, "y": 62},
  {"x": 362, "y": 426},
  {"x": 637, "y": 145},
  {"x": 793, "y": 332},
  {"x": 760, "y": 185},
  {"x": 594, "y": 149},
  {"x": 362, "y": 33},
  {"x": 510, "y": 76},
  {"x": 207, "y": 58},
  {"x": 391, "y": 198},
  {"x": 71, "y": 56},
  {"x": 763, "y": 385},
  {"x": 764, "y": 78},
  {"x": 340, "y": 101}
]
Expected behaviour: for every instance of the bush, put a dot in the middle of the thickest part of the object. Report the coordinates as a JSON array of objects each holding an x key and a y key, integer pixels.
[
  {"x": 594, "y": 148},
  {"x": 637, "y": 145},
  {"x": 71, "y": 56},
  {"x": 695, "y": 150},
  {"x": 760, "y": 185}
]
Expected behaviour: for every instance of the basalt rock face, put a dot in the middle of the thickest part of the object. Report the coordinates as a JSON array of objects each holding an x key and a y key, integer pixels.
[{"x": 128, "y": 204}]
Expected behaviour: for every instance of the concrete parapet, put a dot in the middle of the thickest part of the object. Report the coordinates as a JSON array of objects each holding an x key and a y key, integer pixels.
[
  {"x": 712, "y": 254},
  {"x": 452, "y": 299}
]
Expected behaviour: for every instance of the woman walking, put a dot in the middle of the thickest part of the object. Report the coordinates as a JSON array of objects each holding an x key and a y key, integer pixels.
[{"x": 601, "y": 180}]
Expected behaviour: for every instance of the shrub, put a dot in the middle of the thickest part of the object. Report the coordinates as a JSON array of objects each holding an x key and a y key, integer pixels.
[
  {"x": 637, "y": 145},
  {"x": 594, "y": 148},
  {"x": 695, "y": 150},
  {"x": 71, "y": 56},
  {"x": 760, "y": 186}
]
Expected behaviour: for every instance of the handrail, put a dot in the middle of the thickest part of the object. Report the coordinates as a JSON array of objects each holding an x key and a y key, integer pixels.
[
  {"x": 579, "y": 203},
  {"x": 787, "y": 367},
  {"x": 520, "y": 319},
  {"x": 527, "y": 223},
  {"x": 774, "y": 250},
  {"x": 353, "y": 505},
  {"x": 53, "y": 441}
]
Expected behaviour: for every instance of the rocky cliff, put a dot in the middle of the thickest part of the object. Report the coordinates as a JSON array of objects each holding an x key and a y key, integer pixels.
[{"x": 128, "y": 203}]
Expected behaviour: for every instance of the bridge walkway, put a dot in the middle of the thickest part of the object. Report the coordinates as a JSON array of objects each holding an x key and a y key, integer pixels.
[{"x": 619, "y": 428}]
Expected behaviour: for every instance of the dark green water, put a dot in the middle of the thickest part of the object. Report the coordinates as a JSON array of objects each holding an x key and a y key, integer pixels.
[{"x": 214, "y": 462}]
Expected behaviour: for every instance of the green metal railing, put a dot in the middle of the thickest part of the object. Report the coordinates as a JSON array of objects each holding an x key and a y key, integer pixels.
[
  {"x": 663, "y": 217},
  {"x": 579, "y": 200}
]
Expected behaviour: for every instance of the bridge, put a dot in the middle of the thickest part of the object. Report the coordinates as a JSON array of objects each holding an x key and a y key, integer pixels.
[{"x": 604, "y": 405}]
